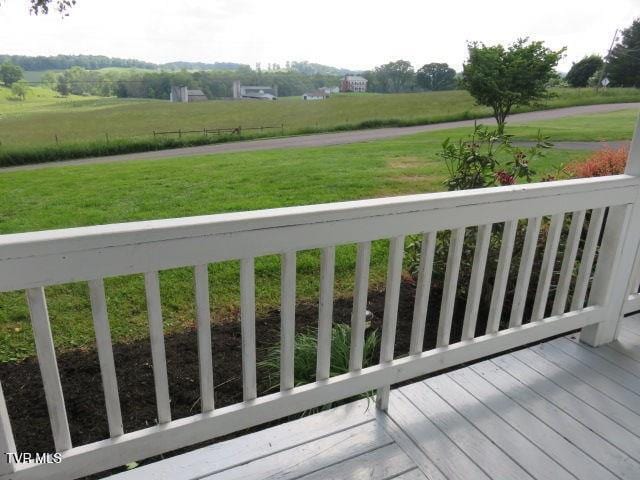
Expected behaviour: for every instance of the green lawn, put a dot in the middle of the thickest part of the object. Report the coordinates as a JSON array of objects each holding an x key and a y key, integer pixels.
[
  {"x": 93, "y": 194},
  {"x": 597, "y": 127},
  {"x": 41, "y": 117},
  {"x": 39, "y": 100}
]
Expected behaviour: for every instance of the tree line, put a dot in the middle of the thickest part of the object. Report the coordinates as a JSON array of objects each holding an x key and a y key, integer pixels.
[
  {"x": 62, "y": 62},
  {"x": 214, "y": 84},
  {"x": 400, "y": 76},
  {"x": 621, "y": 67}
]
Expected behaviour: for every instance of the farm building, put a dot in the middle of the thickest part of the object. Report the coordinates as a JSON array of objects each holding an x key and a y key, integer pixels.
[
  {"x": 329, "y": 90},
  {"x": 353, "y": 83},
  {"x": 254, "y": 92},
  {"x": 183, "y": 94},
  {"x": 315, "y": 95}
]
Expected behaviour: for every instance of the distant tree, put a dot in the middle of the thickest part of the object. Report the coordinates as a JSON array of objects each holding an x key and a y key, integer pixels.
[
  {"x": 436, "y": 76},
  {"x": 62, "y": 86},
  {"x": 49, "y": 80},
  {"x": 505, "y": 78},
  {"x": 20, "y": 89},
  {"x": 557, "y": 80},
  {"x": 10, "y": 73},
  {"x": 42, "y": 6},
  {"x": 395, "y": 76},
  {"x": 38, "y": 7},
  {"x": 623, "y": 64},
  {"x": 582, "y": 71}
]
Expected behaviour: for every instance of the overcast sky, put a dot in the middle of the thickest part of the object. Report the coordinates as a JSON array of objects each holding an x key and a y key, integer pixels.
[{"x": 349, "y": 34}]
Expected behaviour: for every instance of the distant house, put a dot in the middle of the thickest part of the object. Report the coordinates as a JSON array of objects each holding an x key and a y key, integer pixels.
[
  {"x": 254, "y": 92},
  {"x": 184, "y": 95},
  {"x": 353, "y": 83},
  {"x": 196, "y": 96},
  {"x": 315, "y": 95}
]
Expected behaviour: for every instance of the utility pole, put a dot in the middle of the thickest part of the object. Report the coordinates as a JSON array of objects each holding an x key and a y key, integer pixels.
[{"x": 606, "y": 61}]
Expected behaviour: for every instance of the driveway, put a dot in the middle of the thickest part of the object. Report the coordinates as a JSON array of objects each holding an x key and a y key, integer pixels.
[{"x": 338, "y": 138}]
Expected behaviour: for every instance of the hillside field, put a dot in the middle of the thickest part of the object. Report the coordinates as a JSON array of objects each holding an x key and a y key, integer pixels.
[
  {"x": 69, "y": 196},
  {"x": 44, "y": 116}
]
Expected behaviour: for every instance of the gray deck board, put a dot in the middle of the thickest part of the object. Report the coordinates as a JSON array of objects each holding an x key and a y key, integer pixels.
[
  {"x": 628, "y": 343},
  {"x": 580, "y": 435},
  {"x": 544, "y": 437},
  {"x": 489, "y": 457},
  {"x": 535, "y": 461},
  {"x": 573, "y": 406},
  {"x": 446, "y": 455},
  {"x": 608, "y": 405},
  {"x": 311, "y": 457},
  {"x": 560, "y": 410},
  {"x": 623, "y": 361},
  {"x": 599, "y": 364},
  {"x": 583, "y": 375},
  {"x": 382, "y": 464}
]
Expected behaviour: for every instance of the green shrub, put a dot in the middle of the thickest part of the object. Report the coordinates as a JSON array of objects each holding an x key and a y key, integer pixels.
[
  {"x": 477, "y": 162},
  {"x": 474, "y": 162}
]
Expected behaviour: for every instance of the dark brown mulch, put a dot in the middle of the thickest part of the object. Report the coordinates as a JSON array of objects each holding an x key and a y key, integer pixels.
[{"x": 80, "y": 373}]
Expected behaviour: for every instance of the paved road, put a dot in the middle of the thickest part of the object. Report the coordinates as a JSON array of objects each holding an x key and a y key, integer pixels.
[
  {"x": 326, "y": 139},
  {"x": 615, "y": 144}
]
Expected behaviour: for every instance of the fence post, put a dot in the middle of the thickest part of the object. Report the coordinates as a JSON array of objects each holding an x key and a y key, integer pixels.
[{"x": 618, "y": 253}]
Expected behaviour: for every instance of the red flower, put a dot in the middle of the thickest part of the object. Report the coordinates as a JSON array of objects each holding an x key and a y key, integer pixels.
[{"x": 505, "y": 178}]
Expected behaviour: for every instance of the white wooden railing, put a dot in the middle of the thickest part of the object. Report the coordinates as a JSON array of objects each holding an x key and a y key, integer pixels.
[
  {"x": 631, "y": 304},
  {"x": 32, "y": 261}
]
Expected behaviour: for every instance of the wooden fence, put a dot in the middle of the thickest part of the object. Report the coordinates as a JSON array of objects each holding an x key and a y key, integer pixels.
[{"x": 220, "y": 131}]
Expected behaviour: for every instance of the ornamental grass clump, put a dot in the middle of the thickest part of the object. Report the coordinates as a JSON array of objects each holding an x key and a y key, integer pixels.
[{"x": 306, "y": 351}]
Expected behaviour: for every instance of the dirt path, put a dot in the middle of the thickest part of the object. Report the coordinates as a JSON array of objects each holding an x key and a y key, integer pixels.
[{"x": 338, "y": 138}]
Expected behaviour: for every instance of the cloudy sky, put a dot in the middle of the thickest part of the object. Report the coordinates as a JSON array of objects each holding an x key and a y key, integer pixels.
[{"x": 349, "y": 34}]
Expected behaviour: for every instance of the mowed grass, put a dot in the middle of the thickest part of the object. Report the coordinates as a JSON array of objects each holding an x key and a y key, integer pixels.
[
  {"x": 599, "y": 127},
  {"x": 61, "y": 197},
  {"x": 37, "y": 121}
]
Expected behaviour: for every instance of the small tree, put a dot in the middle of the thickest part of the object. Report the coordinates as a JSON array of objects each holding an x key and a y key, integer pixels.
[
  {"x": 62, "y": 85},
  {"x": 506, "y": 78},
  {"x": 20, "y": 90},
  {"x": 10, "y": 73},
  {"x": 583, "y": 70}
]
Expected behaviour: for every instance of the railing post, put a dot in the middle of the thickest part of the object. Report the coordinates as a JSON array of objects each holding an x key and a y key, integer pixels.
[
  {"x": 7, "y": 444},
  {"x": 616, "y": 259}
]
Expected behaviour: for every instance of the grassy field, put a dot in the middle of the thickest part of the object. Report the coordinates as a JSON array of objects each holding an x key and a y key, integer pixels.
[
  {"x": 37, "y": 121},
  {"x": 140, "y": 190}
]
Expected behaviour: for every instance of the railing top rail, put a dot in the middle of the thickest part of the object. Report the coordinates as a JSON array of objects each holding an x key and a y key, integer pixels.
[{"x": 60, "y": 240}]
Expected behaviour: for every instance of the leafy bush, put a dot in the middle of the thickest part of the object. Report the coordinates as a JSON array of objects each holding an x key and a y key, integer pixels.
[
  {"x": 305, "y": 355},
  {"x": 473, "y": 162},
  {"x": 476, "y": 162},
  {"x": 604, "y": 162}
]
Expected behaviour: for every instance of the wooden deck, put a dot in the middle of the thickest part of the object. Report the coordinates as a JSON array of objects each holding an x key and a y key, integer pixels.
[{"x": 558, "y": 410}]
